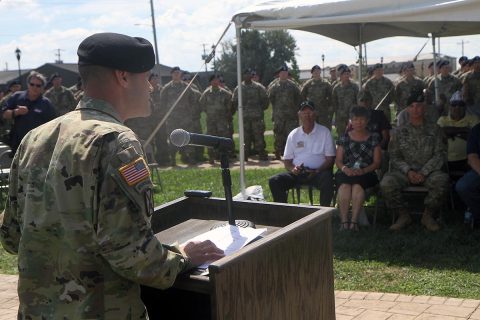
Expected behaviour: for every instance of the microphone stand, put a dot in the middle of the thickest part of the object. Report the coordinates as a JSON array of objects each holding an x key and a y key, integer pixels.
[{"x": 227, "y": 185}]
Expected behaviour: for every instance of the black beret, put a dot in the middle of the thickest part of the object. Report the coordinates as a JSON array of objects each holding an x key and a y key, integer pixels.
[
  {"x": 377, "y": 66},
  {"x": 175, "y": 69},
  {"x": 306, "y": 104},
  {"x": 476, "y": 59},
  {"x": 462, "y": 59},
  {"x": 343, "y": 68},
  {"x": 315, "y": 67},
  {"x": 442, "y": 63},
  {"x": 117, "y": 51},
  {"x": 416, "y": 95}
]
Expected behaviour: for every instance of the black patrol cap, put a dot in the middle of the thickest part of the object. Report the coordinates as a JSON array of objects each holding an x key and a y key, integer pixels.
[
  {"x": 117, "y": 51},
  {"x": 416, "y": 95},
  {"x": 176, "y": 68},
  {"x": 315, "y": 67},
  {"x": 377, "y": 66},
  {"x": 306, "y": 104},
  {"x": 53, "y": 76},
  {"x": 342, "y": 68},
  {"x": 442, "y": 63},
  {"x": 462, "y": 60},
  {"x": 282, "y": 68}
]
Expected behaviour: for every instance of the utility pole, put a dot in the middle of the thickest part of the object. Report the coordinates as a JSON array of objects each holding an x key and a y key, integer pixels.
[
  {"x": 154, "y": 32},
  {"x": 463, "y": 46},
  {"x": 59, "y": 56},
  {"x": 205, "y": 56}
]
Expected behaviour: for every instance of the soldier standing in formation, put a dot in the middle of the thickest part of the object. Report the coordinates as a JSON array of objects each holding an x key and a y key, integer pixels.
[
  {"x": 344, "y": 97},
  {"x": 463, "y": 62},
  {"x": 61, "y": 97},
  {"x": 319, "y": 91},
  {"x": 216, "y": 102},
  {"x": 406, "y": 85},
  {"x": 417, "y": 154},
  {"x": 333, "y": 77},
  {"x": 181, "y": 116},
  {"x": 381, "y": 89},
  {"x": 447, "y": 86},
  {"x": 284, "y": 96},
  {"x": 471, "y": 88},
  {"x": 196, "y": 113},
  {"x": 255, "y": 102}
]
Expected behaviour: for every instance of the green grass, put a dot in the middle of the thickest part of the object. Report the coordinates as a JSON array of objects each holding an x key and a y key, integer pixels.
[{"x": 416, "y": 262}]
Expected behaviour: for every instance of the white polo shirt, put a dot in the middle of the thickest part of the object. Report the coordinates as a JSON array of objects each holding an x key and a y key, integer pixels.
[{"x": 309, "y": 149}]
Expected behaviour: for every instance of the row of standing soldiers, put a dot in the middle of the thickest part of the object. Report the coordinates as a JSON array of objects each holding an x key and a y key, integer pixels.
[{"x": 333, "y": 101}]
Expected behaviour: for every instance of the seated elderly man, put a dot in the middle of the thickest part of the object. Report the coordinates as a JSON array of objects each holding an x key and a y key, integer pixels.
[
  {"x": 417, "y": 154},
  {"x": 308, "y": 157},
  {"x": 468, "y": 187}
]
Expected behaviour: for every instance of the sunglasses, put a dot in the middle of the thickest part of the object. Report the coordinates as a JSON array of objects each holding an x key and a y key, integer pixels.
[{"x": 35, "y": 85}]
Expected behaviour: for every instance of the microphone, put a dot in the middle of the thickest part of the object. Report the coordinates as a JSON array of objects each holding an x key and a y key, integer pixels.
[{"x": 181, "y": 138}]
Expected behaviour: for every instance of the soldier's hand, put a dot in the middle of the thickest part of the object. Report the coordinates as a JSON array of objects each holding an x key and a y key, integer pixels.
[
  {"x": 415, "y": 178},
  {"x": 202, "y": 252},
  {"x": 21, "y": 110}
]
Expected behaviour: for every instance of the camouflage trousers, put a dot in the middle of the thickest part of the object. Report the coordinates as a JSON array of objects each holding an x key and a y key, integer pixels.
[
  {"x": 393, "y": 183},
  {"x": 341, "y": 125},
  {"x": 220, "y": 128},
  {"x": 281, "y": 129},
  {"x": 187, "y": 153},
  {"x": 254, "y": 131}
]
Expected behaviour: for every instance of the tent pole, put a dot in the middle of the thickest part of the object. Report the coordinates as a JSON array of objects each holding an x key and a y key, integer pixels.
[
  {"x": 435, "y": 71},
  {"x": 240, "y": 112},
  {"x": 360, "y": 55}
]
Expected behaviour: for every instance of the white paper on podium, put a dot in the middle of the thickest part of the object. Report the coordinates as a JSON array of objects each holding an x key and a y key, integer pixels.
[{"x": 229, "y": 238}]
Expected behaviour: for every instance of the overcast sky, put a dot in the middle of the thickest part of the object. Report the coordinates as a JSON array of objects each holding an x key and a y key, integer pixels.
[{"x": 41, "y": 27}]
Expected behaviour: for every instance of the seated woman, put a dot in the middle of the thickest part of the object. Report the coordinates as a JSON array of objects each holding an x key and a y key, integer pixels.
[{"x": 358, "y": 156}]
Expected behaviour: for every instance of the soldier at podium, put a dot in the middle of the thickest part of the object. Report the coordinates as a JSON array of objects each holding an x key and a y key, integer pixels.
[{"x": 78, "y": 213}]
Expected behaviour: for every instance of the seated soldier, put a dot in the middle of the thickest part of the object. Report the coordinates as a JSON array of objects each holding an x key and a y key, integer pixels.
[
  {"x": 468, "y": 187},
  {"x": 308, "y": 157},
  {"x": 417, "y": 154},
  {"x": 456, "y": 127}
]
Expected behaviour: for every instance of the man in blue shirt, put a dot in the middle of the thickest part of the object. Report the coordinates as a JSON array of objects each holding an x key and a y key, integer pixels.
[
  {"x": 28, "y": 109},
  {"x": 468, "y": 187}
]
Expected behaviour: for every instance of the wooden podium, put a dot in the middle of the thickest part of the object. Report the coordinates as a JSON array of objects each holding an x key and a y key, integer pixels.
[{"x": 288, "y": 274}]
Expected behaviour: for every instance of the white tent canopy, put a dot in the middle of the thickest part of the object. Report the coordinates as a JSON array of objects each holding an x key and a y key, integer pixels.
[
  {"x": 342, "y": 19},
  {"x": 356, "y": 22}
]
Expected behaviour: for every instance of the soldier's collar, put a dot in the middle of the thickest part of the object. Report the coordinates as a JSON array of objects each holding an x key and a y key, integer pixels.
[{"x": 99, "y": 105}]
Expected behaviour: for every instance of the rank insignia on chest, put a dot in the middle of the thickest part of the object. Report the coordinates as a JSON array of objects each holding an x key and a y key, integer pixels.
[
  {"x": 300, "y": 144},
  {"x": 135, "y": 172}
]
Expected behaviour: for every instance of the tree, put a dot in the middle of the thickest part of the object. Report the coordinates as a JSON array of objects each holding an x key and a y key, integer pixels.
[{"x": 263, "y": 51}]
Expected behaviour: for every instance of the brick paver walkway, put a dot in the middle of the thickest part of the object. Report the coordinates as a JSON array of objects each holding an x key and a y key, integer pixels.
[{"x": 349, "y": 305}]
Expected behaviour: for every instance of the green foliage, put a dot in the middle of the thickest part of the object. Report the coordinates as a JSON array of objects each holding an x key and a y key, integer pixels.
[{"x": 263, "y": 51}]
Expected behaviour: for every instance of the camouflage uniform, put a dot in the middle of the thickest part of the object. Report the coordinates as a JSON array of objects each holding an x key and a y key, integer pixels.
[
  {"x": 403, "y": 89},
  {"x": 161, "y": 137},
  {"x": 319, "y": 92},
  {"x": 181, "y": 116},
  {"x": 378, "y": 88},
  {"x": 80, "y": 226},
  {"x": 285, "y": 98},
  {"x": 471, "y": 92},
  {"x": 196, "y": 125},
  {"x": 447, "y": 85},
  {"x": 217, "y": 105},
  {"x": 344, "y": 97},
  {"x": 418, "y": 148},
  {"x": 255, "y": 101},
  {"x": 62, "y": 99}
]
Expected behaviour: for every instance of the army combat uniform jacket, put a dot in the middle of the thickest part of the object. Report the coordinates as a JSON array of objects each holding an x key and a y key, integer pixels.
[{"x": 78, "y": 216}]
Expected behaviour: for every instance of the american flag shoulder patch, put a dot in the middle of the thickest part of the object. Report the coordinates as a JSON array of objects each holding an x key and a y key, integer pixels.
[{"x": 135, "y": 172}]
